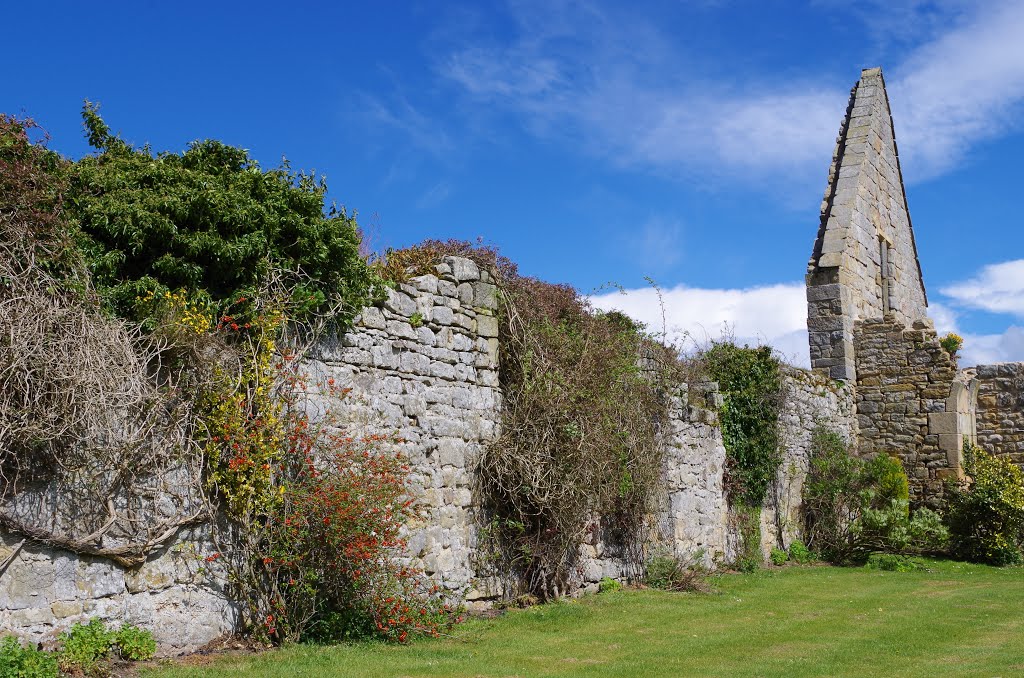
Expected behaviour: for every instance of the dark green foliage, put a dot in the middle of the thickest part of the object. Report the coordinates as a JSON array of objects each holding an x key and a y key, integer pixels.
[
  {"x": 778, "y": 556},
  {"x": 747, "y": 524},
  {"x": 855, "y": 507},
  {"x": 134, "y": 643},
  {"x": 209, "y": 221},
  {"x": 800, "y": 554},
  {"x": 892, "y": 562},
  {"x": 17, "y": 661},
  {"x": 85, "y": 646},
  {"x": 750, "y": 381},
  {"x": 330, "y": 627},
  {"x": 986, "y": 514}
]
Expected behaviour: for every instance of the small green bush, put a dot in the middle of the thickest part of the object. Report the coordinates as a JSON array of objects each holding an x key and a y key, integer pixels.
[
  {"x": 85, "y": 645},
  {"x": 856, "y": 507},
  {"x": 892, "y": 562},
  {"x": 750, "y": 380},
  {"x": 986, "y": 513},
  {"x": 666, "y": 571},
  {"x": 778, "y": 556},
  {"x": 608, "y": 584},
  {"x": 17, "y": 661},
  {"x": 952, "y": 343},
  {"x": 134, "y": 643},
  {"x": 892, "y": 528},
  {"x": 885, "y": 478},
  {"x": 747, "y": 523},
  {"x": 800, "y": 554}
]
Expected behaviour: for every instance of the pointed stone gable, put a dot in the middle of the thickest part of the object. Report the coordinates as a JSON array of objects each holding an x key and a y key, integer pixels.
[{"x": 864, "y": 263}]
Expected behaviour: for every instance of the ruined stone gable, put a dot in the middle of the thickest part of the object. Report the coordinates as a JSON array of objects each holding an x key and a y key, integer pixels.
[
  {"x": 864, "y": 262},
  {"x": 867, "y": 317}
]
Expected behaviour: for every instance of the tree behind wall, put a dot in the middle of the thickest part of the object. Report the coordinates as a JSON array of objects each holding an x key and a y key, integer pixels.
[{"x": 210, "y": 221}]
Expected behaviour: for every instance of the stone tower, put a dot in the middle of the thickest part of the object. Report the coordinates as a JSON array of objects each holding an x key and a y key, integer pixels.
[{"x": 864, "y": 263}]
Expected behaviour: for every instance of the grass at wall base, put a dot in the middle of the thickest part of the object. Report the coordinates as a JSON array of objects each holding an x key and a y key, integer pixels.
[{"x": 955, "y": 619}]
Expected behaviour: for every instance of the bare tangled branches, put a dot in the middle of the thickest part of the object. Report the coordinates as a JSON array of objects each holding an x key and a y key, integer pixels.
[
  {"x": 96, "y": 451},
  {"x": 580, "y": 445}
]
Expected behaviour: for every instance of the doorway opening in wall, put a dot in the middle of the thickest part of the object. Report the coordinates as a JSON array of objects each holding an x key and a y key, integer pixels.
[{"x": 885, "y": 265}]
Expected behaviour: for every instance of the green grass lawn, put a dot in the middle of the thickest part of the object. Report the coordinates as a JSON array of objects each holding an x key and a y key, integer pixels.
[{"x": 956, "y": 620}]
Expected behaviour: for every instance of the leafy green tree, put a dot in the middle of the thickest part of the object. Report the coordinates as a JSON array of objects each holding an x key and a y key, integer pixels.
[
  {"x": 986, "y": 513},
  {"x": 210, "y": 221}
]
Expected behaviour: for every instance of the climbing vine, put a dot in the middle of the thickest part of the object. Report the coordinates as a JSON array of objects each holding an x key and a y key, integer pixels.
[{"x": 750, "y": 380}]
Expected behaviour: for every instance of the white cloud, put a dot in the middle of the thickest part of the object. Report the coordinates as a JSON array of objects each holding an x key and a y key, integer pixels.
[
  {"x": 774, "y": 314},
  {"x": 617, "y": 86},
  {"x": 961, "y": 88},
  {"x": 400, "y": 115},
  {"x": 985, "y": 349},
  {"x": 997, "y": 288},
  {"x": 945, "y": 318},
  {"x": 777, "y": 315},
  {"x": 894, "y": 23},
  {"x": 625, "y": 104}
]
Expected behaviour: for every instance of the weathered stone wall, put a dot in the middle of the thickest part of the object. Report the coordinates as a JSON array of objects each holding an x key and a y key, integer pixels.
[
  {"x": 1000, "y": 405},
  {"x": 695, "y": 515},
  {"x": 908, "y": 403},
  {"x": 691, "y": 518},
  {"x": 44, "y": 591},
  {"x": 864, "y": 263},
  {"x": 811, "y": 399},
  {"x": 425, "y": 364}
]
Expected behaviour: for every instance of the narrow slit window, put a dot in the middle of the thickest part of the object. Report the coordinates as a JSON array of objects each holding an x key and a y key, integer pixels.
[{"x": 883, "y": 257}]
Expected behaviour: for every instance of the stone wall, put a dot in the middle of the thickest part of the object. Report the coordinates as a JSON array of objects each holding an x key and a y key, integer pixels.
[
  {"x": 425, "y": 364},
  {"x": 1000, "y": 405},
  {"x": 864, "y": 263},
  {"x": 909, "y": 397},
  {"x": 811, "y": 399},
  {"x": 174, "y": 594},
  {"x": 695, "y": 515}
]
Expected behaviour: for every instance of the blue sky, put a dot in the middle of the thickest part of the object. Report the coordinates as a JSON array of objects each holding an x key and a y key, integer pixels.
[{"x": 688, "y": 142}]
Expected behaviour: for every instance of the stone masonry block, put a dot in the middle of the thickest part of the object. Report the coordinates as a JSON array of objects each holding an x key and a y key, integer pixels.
[
  {"x": 943, "y": 422},
  {"x": 463, "y": 269},
  {"x": 824, "y": 292},
  {"x": 485, "y": 296},
  {"x": 487, "y": 326}
]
